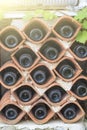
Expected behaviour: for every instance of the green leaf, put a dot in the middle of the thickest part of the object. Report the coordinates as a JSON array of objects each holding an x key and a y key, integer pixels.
[
  {"x": 82, "y": 37},
  {"x": 47, "y": 15},
  {"x": 39, "y": 11},
  {"x": 82, "y": 14},
  {"x": 84, "y": 24}
]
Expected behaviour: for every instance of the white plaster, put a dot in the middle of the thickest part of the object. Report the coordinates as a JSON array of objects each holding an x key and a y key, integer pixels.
[{"x": 57, "y": 125}]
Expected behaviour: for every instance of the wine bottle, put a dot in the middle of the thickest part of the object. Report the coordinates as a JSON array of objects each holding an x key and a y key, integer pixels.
[
  {"x": 54, "y": 94},
  {"x": 70, "y": 111},
  {"x": 80, "y": 51},
  {"x": 39, "y": 76},
  {"x": 11, "y": 112},
  {"x": 80, "y": 88},
  {"x": 9, "y": 78},
  {"x": 51, "y": 53},
  {"x": 67, "y": 71},
  {"x": 40, "y": 111},
  {"x": 36, "y": 34},
  {"x": 25, "y": 93},
  {"x": 51, "y": 50},
  {"x": 25, "y": 60},
  {"x": 66, "y": 30},
  {"x": 10, "y": 75},
  {"x": 11, "y": 41}
]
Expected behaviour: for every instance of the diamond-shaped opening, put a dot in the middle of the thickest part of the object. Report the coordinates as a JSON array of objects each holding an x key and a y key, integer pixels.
[
  {"x": 10, "y": 112},
  {"x": 51, "y": 50},
  {"x": 36, "y": 30},
  {"x": 40, "y": 111},
  {"x": 80, "y": 87},
  {"x": 25, "y": 93},
  {"x": 79, "y": 50},
  {"x": 41, "y": 75},
  {"x": 11, "y": 38},
  {"x": 66, "y": 28},
  {"x": 25, "y": 57},
  {"x": 10, "y": 76},
  {"x": 66, "y": 69},
  {"x": 70, "y": 111},
  {"x": 56, "y": 94},
  {"x": 66, "y": 25}
]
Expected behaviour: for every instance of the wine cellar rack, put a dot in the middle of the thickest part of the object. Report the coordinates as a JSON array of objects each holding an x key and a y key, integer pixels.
[{"x": 42, "y": 78}]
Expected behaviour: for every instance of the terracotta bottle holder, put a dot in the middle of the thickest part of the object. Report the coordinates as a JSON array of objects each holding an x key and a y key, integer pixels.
[
  {"x": 52, "y": 50},
  {"x": 79, "y": 51},
  {"x": 83, "y": 65},
  {"x": 82, "y": 90},
  {"x": 39, "y": 26},
  {"x": 41, "y": 76},
  {"x": 55, "y": 95},
  {"x": 25, "y": 58},
  {"x": 34, "y": 111},
  {"x": 66, "y": 28},
  {"x": 11, "y": 34},
  {"x": 67, "y": 66},
  {"x": 75, "y": 110},
  {"x": 7, "y": 103},
  {"x": 28, "y": 97},
  {"x": 16, "y": 77}
]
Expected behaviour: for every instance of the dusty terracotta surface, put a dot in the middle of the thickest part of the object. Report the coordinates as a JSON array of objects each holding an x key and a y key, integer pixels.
[
  {"x": 75, "y": 95},
  {"x": 17, "y": 63},
  {"x": 71, "y": 20},
  {"x": 4, "y": 30},
  {"x": 51, "y": 79},
  {"x": 11, "y": 64},
  {"x": 78, "y": 69},
  {"x": 61, "y": 54},
  {"x": 80, "y": 114},
  {"x": 35, "y": 97},
  {"x": 50, "y": 113},
  {"x": 44, "y": 26},
  {"x": 64, "y": 98},
  {"x": 6, "y": 100}
]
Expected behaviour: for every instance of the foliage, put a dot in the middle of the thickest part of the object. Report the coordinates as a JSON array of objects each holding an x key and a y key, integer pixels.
[
  {"x": 82, "y": 37},
  {"x": 47, "y": 15},
  {"x": 81, "y": 15},
  {"x": 82, "y": 18}
]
